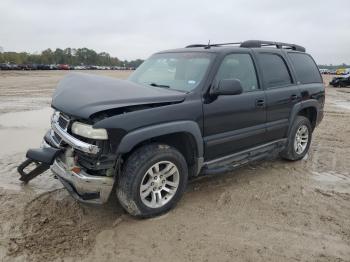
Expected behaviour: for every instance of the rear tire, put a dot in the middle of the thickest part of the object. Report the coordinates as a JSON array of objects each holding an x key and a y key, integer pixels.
[
  {"x": 152, "y": 181},
  {"x": 299, "y": 139}
]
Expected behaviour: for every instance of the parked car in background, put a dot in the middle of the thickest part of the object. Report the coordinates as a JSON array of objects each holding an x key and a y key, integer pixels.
[
  {"x": 43, "y": 67},
  {"x": 79, "y": 67},
  {"x": 324, "y": 71},
  {"x": 14, "y": 67},
  {"x": 63, "y": 67},
  {"x": 343, "y": 71},
  {"x": 344, "y": 82},
  {"x": 347, "y": 71},
  {"x": 336, "y": 80},
  {"x": 23, "y": 67},
  {"x": 53, "y": 67},
  {"x": 340, "y": 71},
  {"x": 32, "y": 66},
  {"x": 5, "y": 66}
]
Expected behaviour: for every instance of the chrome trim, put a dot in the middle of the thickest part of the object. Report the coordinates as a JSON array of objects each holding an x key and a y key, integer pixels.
[
  {"x": 84, "y": 183},
  {"x": 53, "y": 140},
  {"x": 65, "y": 118},
  {"x": 74, "y": 142},
  {"x": 44, "y": 144}
]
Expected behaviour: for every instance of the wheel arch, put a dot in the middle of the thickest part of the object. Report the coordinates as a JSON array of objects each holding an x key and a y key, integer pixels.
[
  {"x": 309, "y": 109},
  {"x": 185, "y": 136}
]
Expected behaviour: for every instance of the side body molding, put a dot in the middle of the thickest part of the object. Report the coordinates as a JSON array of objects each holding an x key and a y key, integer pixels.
[{"x": 134, "y": 137}]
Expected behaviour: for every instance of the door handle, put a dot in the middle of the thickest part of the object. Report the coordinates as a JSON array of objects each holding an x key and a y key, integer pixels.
[
  {"x": 260, "y": 103},
  {"x": 293, "y": 97}
]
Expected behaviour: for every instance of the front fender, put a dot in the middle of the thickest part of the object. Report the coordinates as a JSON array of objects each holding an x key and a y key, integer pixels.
[{"x": 131, "y": 139}]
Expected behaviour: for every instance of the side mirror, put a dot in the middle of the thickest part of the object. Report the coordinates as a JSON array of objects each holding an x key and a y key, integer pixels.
[{"x": 228, "y": 87}]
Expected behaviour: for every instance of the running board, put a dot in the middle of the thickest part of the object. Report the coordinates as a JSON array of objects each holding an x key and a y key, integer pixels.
[{"x": 233, "y": 161}]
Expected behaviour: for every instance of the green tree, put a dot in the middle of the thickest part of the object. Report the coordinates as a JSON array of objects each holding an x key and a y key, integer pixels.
[{"x": 68, "y": 55}]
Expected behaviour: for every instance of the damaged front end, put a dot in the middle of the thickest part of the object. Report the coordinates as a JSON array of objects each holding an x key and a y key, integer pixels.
[{"x": 84, "y": 166}]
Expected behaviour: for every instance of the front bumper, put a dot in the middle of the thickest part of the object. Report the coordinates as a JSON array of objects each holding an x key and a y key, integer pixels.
[
  {"x": 82, "y": 186},
  {"x": 54, "y": 154}
]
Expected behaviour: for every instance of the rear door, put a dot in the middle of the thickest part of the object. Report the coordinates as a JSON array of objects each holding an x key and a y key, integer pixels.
[
  {"x": 235, "y": 122},
  {"x": 308, "y": 76},
  {"x": 282, "y": 92}
]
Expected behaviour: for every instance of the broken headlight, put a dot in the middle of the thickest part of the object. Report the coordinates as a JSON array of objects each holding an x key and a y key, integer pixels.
[{"x": 88, "y": 131}]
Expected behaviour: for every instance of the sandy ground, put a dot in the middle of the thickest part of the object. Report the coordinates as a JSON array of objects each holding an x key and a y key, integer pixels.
[{"x": 270, "y": 211}]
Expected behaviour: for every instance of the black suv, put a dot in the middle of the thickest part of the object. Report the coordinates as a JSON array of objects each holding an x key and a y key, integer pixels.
[{"x": 198, "y": 110}]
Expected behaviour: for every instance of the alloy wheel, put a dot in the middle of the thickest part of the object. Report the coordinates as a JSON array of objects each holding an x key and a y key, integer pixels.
[
  {"x": 159, "y": 184},
  {"x": 301, "y": 139}
]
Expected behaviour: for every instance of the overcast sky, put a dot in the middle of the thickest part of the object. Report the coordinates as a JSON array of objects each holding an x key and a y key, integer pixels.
[{"x": 135, "y": 29}]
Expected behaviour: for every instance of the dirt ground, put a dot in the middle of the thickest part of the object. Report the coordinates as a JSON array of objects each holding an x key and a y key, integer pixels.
[{"x": 270, "y": 211}]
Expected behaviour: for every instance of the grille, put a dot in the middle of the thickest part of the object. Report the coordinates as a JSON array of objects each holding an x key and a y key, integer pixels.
[
  {"x": 56, "y": 138},
  {"x": 63, "y": 122}
]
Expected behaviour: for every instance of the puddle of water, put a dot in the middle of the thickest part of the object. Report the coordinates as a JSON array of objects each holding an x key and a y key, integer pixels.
[
  {"x": 22, "y": 130},
  {"x": 333, "y": 181},
  {"x": 342, "y": 104},
  {"x": 329, "y": 177},
  {"x": 41, "y": 184},
  {"x": 29, "y": 119},
  {"x": 10, "y": 104}
]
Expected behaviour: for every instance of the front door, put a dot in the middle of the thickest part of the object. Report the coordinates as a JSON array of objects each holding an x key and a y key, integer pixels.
[{"x": 235, "y": 122}]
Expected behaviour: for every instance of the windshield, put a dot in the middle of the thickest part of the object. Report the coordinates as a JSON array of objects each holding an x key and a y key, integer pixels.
[{"x": 180, "y": 71}]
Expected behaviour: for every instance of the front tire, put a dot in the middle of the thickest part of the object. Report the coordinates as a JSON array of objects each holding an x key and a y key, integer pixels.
[
  {"x": 299, "y": 139},
  {"x": 152, "y": 181}
]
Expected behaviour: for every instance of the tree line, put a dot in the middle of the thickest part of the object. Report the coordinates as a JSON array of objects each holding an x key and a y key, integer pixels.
[
  {"x": 71, "y": 56},
  {"x": 343, "y": 65}
]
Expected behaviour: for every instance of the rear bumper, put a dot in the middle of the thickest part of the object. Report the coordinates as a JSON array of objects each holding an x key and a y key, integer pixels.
[{"x": 82, "y": 186}]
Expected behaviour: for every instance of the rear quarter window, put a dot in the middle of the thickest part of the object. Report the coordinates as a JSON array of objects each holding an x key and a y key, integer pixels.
[{"x": 305, "y": 68}]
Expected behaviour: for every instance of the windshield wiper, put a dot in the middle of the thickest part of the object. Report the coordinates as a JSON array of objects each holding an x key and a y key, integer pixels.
[{"x": 156, "y": 85}]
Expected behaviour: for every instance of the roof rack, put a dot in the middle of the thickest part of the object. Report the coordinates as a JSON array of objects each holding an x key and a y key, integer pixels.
[
  {"x": 255, "y": 44},
  {"x": 212, "y": 45},
  {"x": 280, "y": 45}
]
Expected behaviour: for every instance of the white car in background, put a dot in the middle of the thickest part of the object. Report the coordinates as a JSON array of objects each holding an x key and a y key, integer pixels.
[{"x": 324, "y": 71}]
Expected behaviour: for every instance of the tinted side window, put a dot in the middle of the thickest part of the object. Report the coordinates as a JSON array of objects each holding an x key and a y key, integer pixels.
[
  {"x": 241, "y": 67},
  {"x": 275, "y": 70},
  {"x": 305, "y": 68}
]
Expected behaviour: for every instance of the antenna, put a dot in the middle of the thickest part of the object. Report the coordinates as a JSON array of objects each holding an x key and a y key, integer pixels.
[{"x": 208, "y": 46}]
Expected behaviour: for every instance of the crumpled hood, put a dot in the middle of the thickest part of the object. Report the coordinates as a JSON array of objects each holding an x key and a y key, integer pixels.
[{"x": 82, "y": 95}]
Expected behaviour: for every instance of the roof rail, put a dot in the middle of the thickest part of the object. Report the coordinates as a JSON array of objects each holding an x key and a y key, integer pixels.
[
  {"x": 254, "y": 44},
  {"x": 280, "y": 45},
  {"x": 210, "y": 45},
  {"x": 196, "y": 45}
]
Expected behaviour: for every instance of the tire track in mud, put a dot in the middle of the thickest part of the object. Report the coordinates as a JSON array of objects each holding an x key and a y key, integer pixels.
[
  {"x": 51, "y": 224},
  {"x": 55, "y": 226}
]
